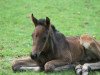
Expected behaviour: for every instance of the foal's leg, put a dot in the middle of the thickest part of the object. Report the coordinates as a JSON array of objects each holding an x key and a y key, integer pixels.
[
  {"x": 57, "y": 65},
  {"x": 78, "y": 69},
  {"x": 24, "y": 64},
  {"x": 90, "y": 66},
  {"x": 84, "y": 69}
]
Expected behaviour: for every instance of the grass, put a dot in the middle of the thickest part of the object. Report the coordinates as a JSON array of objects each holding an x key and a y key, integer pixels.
[{"x": 71, "y": 17}]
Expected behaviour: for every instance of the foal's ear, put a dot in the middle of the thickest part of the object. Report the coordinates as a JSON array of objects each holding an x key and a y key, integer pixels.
[
  {"x": 47, "y": 21},
  {"x": 34, "y": 20}
]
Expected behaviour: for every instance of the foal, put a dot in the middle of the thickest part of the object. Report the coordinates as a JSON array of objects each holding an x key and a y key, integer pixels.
[{"x": 52, "y": 51}]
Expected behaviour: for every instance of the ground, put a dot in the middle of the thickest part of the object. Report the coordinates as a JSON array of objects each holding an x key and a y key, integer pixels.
[{"x": 71, "y": 17}]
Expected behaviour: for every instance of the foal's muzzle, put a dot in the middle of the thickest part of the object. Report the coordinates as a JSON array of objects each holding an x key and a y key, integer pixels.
[{"x": 34, "y": 55}]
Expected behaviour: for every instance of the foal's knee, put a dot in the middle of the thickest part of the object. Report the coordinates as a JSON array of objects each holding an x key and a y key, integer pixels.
[{"x": 49, "y": 67}]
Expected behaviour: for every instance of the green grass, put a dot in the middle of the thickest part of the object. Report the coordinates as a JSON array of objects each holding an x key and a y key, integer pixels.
[{"x": 71, "y": 17}]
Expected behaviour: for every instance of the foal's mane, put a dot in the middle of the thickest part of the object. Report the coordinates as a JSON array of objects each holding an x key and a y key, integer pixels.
[
  {"x": 60, "y": 45},
  {"x": 58, "y": 41}
]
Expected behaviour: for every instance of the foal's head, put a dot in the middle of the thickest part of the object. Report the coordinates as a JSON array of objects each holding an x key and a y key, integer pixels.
[{"x": 40, "y": 35}]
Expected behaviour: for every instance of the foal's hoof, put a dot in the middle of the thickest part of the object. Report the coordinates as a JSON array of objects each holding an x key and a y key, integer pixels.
[
  {"x": 85, "y": 69},
  {"x": 78, "y": 69},
  {"x": 16, "y": 68}
]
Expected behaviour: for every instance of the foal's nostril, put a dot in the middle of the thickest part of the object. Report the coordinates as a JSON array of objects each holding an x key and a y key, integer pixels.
[
  {"x": 36, "y": 35},
  {"x": 33, "y": 56}
]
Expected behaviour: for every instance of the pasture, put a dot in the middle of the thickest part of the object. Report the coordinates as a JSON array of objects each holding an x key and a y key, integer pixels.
[{"x": 71, "y": 17}]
